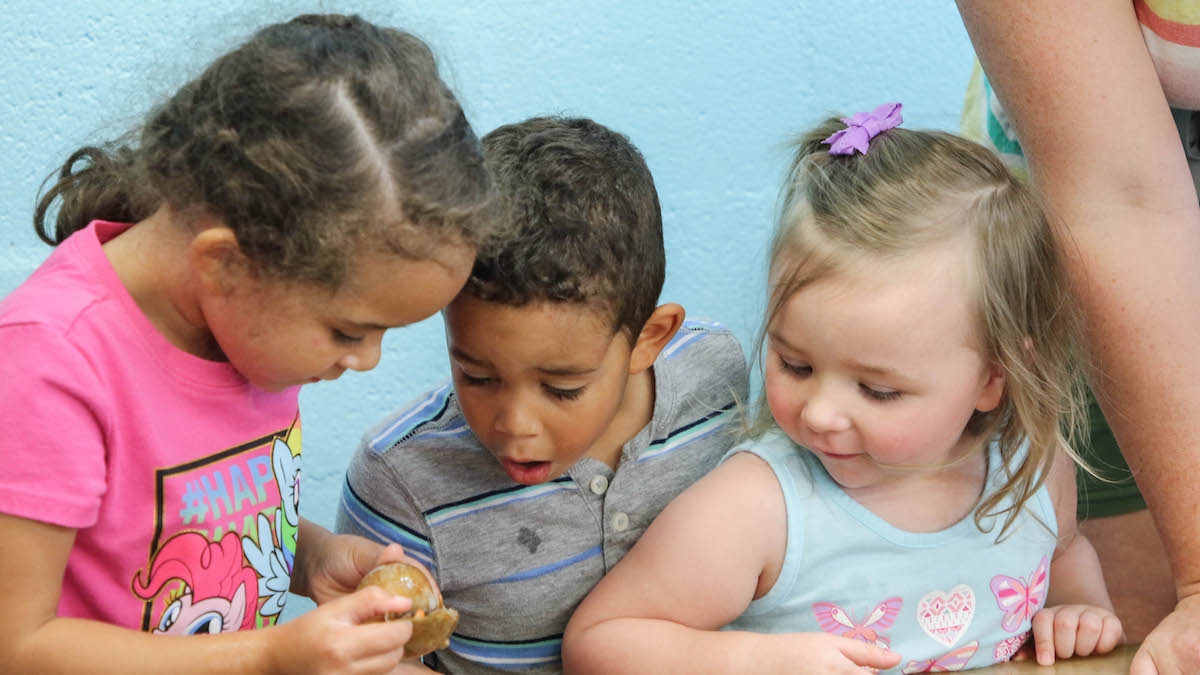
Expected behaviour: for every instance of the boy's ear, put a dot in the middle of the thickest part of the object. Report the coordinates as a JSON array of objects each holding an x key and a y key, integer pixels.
[
  {"x": 993, "y": 389},
  {"x": 216, "y": 259},
  {"x": 656, "y": 333}
]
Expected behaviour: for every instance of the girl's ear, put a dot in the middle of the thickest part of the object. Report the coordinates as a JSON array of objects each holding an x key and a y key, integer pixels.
[
  {"x": 656, "y": 333},
  {"x": 993, "y": 389},
  {"x": 217, "y": 261}
]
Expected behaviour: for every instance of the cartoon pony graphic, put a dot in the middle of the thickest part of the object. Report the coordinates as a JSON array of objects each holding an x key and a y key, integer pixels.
[
  {"x": 274, "y": 562},
  {"x": 219, "y": 592}
]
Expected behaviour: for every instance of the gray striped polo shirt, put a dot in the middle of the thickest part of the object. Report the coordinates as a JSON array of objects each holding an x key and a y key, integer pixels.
[{"x": 515, "y": 560}]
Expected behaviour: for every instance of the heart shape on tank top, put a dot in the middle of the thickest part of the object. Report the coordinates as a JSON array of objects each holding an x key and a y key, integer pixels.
[{"x": 945, "y": 615}]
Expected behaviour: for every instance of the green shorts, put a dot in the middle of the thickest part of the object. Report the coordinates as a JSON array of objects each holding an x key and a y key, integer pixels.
[{"x": 1117, "y": 493}]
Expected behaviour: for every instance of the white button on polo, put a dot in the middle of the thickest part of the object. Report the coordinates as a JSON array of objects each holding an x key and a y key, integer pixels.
[
  {"x": 599, "y": 484},
  {"x": 620, "y": 522}
]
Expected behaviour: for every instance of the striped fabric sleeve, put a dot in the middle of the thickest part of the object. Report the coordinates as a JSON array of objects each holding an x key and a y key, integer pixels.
[
  {"x": 375, "y": 502},
  {"x": 709, "y": 424},
  {"x": 396, "y": 521},
  {"x": 401, "y": 426},
  {"x": 715, "y": 346},
  {"x": 691, "y": 331}
]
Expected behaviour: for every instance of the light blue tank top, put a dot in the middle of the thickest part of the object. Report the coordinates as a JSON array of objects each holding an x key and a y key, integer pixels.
[{"x": 943, "y": 600}]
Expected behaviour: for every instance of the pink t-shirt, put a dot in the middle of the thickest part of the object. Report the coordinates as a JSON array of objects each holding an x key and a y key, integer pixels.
[{"x": 179, "y": 476}]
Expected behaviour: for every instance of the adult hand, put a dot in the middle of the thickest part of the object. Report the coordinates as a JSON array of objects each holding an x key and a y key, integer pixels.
[{"x": 1172, "y": 648}]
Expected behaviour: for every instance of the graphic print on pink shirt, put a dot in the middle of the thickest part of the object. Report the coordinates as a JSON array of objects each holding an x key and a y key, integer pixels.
[
  {"x": 225, "y": 539},
  {"x": 216, "y": 585}
]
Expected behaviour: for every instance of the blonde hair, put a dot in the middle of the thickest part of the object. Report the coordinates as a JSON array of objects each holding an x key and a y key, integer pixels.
[{"x": 914, "y": 189}]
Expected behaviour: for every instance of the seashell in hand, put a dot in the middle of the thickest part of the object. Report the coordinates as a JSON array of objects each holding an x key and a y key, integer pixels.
[{"x": 432, "y": 621}]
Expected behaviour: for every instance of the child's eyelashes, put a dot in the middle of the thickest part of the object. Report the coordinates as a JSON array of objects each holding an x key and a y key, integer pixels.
[
  {"x": 803, "y": 370},
  {"x": 879, "y": 394},
  {"x": 559, "y": 393},
  {"x": 475, "y": 381},
  {"x": 798, "y": 369},
  {"x": 339, "y": 336},
  {"x": 564, "y": 394}
]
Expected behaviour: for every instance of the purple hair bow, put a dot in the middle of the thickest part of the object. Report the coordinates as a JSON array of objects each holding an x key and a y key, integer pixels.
[{"x": 862, "y": 127}]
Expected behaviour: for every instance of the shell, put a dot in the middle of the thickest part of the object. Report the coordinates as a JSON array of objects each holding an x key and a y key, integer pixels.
[{"x": 432, "y": 621}]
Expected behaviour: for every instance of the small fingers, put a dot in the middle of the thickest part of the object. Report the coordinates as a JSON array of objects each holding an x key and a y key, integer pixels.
[
  {"x": 1091, "y": 627},
  {"x": 384, "y": 638},
  {"x": 1043, "y": 636},
  {"x": 869, "y": 655},
  {"x": 1111, "y": 634},
  {"x": 379, "y": 647},
  {"x": 1066, "y": 631},
  {"x": 392, "y": 553},
  {"x": 372, "y": 602},
  {"x": 339, "y": 643}
]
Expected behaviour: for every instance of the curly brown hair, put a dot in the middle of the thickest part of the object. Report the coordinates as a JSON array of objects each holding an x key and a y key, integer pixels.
[
  {"x": 316, "y": 140},
  {"x": 581, "y": 221}
]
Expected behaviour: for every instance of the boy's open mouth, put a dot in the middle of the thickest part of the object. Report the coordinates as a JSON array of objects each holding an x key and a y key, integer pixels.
[{"x": 526, "y": 473}]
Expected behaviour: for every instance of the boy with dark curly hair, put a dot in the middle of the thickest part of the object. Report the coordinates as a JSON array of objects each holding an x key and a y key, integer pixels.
[{"x": 578, "y": 407}]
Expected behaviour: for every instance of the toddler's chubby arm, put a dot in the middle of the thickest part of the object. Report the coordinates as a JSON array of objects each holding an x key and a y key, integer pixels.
[
  {"x": 1078, "y": 618},
  {"x": 715, "y": 548},
  {"x": 33, "y": 639}
]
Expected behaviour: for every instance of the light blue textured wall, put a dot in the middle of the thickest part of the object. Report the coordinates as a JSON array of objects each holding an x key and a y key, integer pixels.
[{"x": 709, "y": 91}]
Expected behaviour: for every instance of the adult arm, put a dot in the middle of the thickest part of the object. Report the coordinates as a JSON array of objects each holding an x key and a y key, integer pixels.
[
  {"x": 659, "y": 609},
  {"x": 34, "y": 640},
  {"x": 1082, "y": 93}
]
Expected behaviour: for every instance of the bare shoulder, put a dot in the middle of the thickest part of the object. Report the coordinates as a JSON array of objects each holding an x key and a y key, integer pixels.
[
  {"x": 745, "y": 479},
  {"x": 739, "y": 501},
  {"x": 669, "y": 573}
]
